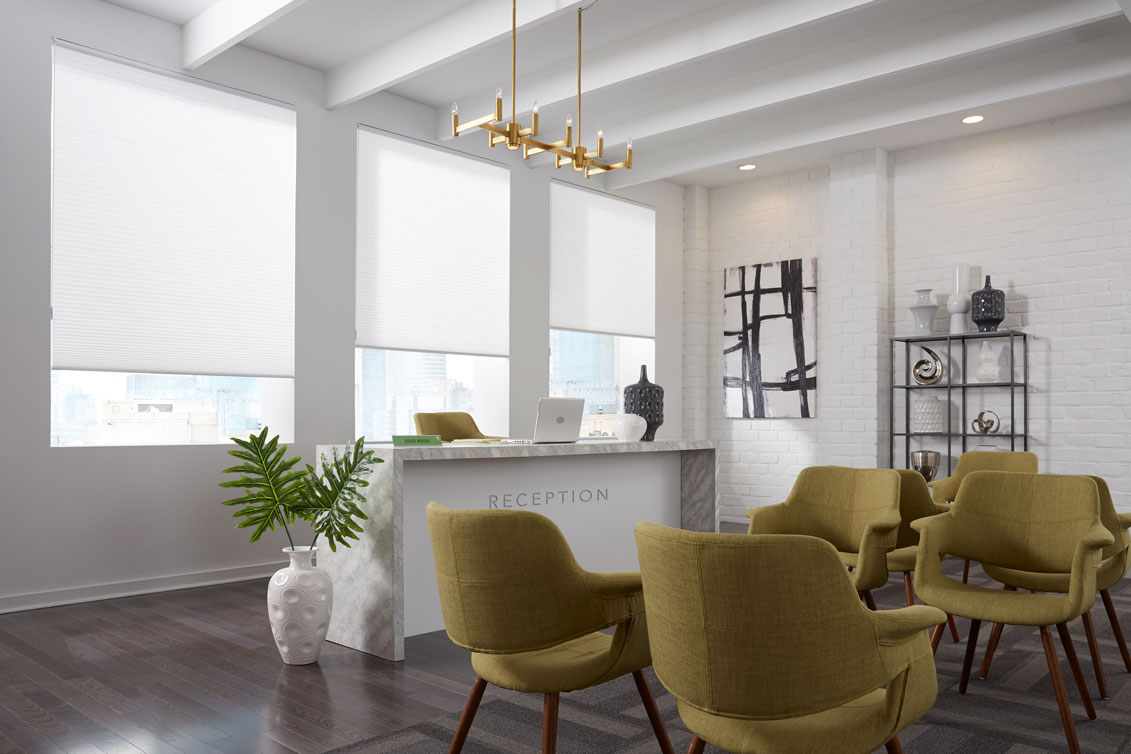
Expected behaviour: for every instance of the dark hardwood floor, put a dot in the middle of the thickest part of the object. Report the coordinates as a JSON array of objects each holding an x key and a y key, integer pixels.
[{"x": 197, "y": 671}]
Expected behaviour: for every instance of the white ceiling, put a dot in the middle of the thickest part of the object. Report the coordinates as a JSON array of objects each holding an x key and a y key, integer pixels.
[{"x": 702, "y": 85}]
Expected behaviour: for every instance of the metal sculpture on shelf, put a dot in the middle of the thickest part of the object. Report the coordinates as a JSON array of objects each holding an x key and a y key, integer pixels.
[
  {"x": 987, "y": 423},
  {"x": 928, "y": 371}
]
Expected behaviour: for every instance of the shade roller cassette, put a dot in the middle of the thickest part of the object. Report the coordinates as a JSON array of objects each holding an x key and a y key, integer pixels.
[
  {"x": 433, "y": 249},
  {"x": 603, "y": 264},
  {"x": 173, "y": 224}
]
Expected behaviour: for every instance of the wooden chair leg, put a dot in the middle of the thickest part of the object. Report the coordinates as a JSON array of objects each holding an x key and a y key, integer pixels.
[
  {"x": 907, "y": 590},
  {"x": 966, "y": 571},
  {"x": 893, "y": 746},
  {"x": 1061, "y": 693},
  {"x": 953, "y": 628},
  {"x": 869, "y": 600},
  {"x": 549, "y": 723},
  {"x": 1077, "y": 671},
  {"x": 696, "y": 746},
  {"x": 971, "y": 645},
  {"x": 936, "y": 636},
  {"x": 1094, "y": 650},
  {"x": 1116, "y": 629},
  {"x": 468, "y": 715},
  {"x": 991, "y": 647},
  {"x": 653, "y": 712}
]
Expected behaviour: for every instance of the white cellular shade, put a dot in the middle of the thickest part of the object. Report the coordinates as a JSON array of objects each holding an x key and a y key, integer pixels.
[
  {"x": 173, "y": 224},
  {"x": 603, "y": 264},
  {"x": 433, "y": 249}
]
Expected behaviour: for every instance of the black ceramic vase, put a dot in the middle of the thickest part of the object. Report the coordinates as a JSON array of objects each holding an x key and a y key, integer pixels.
[
  {"x": 987, "y": 307},
  {"x": 646, "y": 400}
]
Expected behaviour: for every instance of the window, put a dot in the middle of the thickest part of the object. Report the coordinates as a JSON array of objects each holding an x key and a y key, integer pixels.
[
  {"x": 433, "y": 286},
  {"x": 602, "y": 299},
  {"x": 172, "y": 258}
]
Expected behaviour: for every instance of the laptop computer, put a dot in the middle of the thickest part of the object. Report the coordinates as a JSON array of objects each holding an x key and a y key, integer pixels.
[{"x": 558, "y": 421}]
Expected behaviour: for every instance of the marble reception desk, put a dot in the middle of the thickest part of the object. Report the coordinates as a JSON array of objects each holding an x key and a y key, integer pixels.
[{"x": 596, "y": 492}]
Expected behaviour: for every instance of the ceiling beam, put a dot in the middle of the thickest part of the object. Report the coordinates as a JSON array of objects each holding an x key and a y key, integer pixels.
[
  {"x": 951, "y": 37},
  {"x": 1104, "y": 59},
  {"x": 707, "y": 33},
  {"x": 1126, "y": 6},
  {"x": 226, "y": 24},
  {"x": 452, "y": 36}
]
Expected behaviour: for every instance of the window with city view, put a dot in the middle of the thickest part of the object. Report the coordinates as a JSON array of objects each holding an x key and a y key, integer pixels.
[
  {"x": 115, "y": 408},
  {"x": 172, "y": 257},
  {"x": 596, "y": 367},
  {"x": 391, "y": 386}
]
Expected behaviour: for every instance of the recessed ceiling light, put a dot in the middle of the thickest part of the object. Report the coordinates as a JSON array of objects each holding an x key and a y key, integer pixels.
[
  {"x": 972, "y": 119},
  {"x": 747, "y": 166}
]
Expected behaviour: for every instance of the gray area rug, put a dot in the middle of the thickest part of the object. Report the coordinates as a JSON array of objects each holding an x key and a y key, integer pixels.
[{"x": 1012, "y": 712}]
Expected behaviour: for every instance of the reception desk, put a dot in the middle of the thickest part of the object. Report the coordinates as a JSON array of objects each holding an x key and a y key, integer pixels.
[{"x": 595, "y": 491}]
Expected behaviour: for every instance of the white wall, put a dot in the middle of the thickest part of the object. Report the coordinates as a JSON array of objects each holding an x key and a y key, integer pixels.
[
  {"x": 1045, "y": 209},
  {"x": 89, "y": 522}
]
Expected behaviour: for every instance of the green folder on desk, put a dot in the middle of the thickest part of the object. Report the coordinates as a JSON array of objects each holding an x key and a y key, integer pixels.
[{"x": 408, "y": 441}]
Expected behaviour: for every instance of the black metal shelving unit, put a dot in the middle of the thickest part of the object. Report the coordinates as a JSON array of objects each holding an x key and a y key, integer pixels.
[{"x": 1018, "y": 392}]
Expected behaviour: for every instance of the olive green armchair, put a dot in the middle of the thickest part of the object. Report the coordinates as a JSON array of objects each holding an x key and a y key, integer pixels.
[
  {"x": 945, "y": 490},
  {"x": 1024, "y": 522},
  {"x": 766, "y": 647},
  {"x": 1113, "y": 567},
  {"x": 449, "y": 425},
  {"x": 855, "y": 510},
  {"x": 512, "y": 593}
]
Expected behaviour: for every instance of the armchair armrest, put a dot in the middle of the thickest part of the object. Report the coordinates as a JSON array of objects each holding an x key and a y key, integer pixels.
[
  {"x": 1124, "y": 520},
  {"x": 769, "y": 519},
  {"x": 943, "y": 490},
  {"x": 1085, "y": 563},
  {"x": 897, "y": 625},
  {"x": 620, "y": 595},
  {"x": 872, "y": 562}
]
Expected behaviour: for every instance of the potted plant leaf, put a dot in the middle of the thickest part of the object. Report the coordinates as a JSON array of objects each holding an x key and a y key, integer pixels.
[{"x": 301, "y": 595}]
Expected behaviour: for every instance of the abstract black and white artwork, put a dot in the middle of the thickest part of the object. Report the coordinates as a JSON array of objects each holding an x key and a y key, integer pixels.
[{"x": 770, "y": 339}]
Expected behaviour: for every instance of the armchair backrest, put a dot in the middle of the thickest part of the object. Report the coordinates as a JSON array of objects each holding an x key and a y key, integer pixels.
[
  {"x": 837, "y": 503},
  {"x": 508, "y": 581},
  {"x": 1029, "y": 522},
  {"x": 756, "y": 626},
  {"x": 914, "y": 503},
  {"x": 449, "y": 425},
  {"x": 993, "y": 460}
]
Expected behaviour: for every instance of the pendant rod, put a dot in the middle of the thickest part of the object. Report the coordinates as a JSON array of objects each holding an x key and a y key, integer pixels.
[
  {"x": 514, "y": 54},
  {"x": 579, "y": 75}
]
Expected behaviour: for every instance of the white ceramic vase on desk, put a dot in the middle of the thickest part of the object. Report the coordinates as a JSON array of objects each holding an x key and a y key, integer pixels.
[
  {"x": 299, "y": 600},
  {"x": 629, "y": 427}
]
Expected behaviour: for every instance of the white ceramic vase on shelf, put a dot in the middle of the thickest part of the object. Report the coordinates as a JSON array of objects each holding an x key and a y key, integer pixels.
[
  {"x": 929, "y": 414},
  {"x": 299, "y": 600},
  {"x": 629, "y": 427},
  {"x": 959, "y": 302},
  {"x": 988, "y": 368},
  {"x": 924, "y": 312}
]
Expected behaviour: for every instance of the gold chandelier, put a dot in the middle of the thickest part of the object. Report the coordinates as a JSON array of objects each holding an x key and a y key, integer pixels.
[{"x": 514, "y": 135}]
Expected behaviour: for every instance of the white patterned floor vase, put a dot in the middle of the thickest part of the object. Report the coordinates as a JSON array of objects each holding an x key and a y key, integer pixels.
[{"x": 299, "y": 600}]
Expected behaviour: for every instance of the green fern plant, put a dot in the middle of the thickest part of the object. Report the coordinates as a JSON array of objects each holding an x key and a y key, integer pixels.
[{"x": 278, "y": 494}]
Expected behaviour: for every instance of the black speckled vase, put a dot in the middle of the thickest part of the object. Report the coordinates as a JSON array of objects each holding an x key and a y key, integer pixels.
[
  {"x": 987, "y": 307},
  {"x": 646, "y": 400}
]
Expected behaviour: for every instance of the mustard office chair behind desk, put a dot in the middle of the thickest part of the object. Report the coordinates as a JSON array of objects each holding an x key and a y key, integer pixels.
[
  {"x": 767, "y": 649},
  {"x": 449, "y": 425},
  {"x": 512, "y": 593}
]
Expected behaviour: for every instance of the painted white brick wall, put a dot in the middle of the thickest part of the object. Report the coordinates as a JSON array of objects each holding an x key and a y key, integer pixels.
[{"x": 1045, "y": 209}]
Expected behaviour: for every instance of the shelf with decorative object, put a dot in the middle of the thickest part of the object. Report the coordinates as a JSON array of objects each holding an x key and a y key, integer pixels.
[{"x": 935, "y": 408}]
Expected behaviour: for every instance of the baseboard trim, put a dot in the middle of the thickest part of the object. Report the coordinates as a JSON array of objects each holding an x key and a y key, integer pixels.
[{"x": 54, "y": 598}]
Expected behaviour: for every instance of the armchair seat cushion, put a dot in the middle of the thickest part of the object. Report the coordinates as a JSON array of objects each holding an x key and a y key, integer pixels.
[
  {"x": 1108, "y": 575},
  {"x": 996, "y": 605},
  {"x": 573, "y": 665},
  {"x": 901, "y": 559}
]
